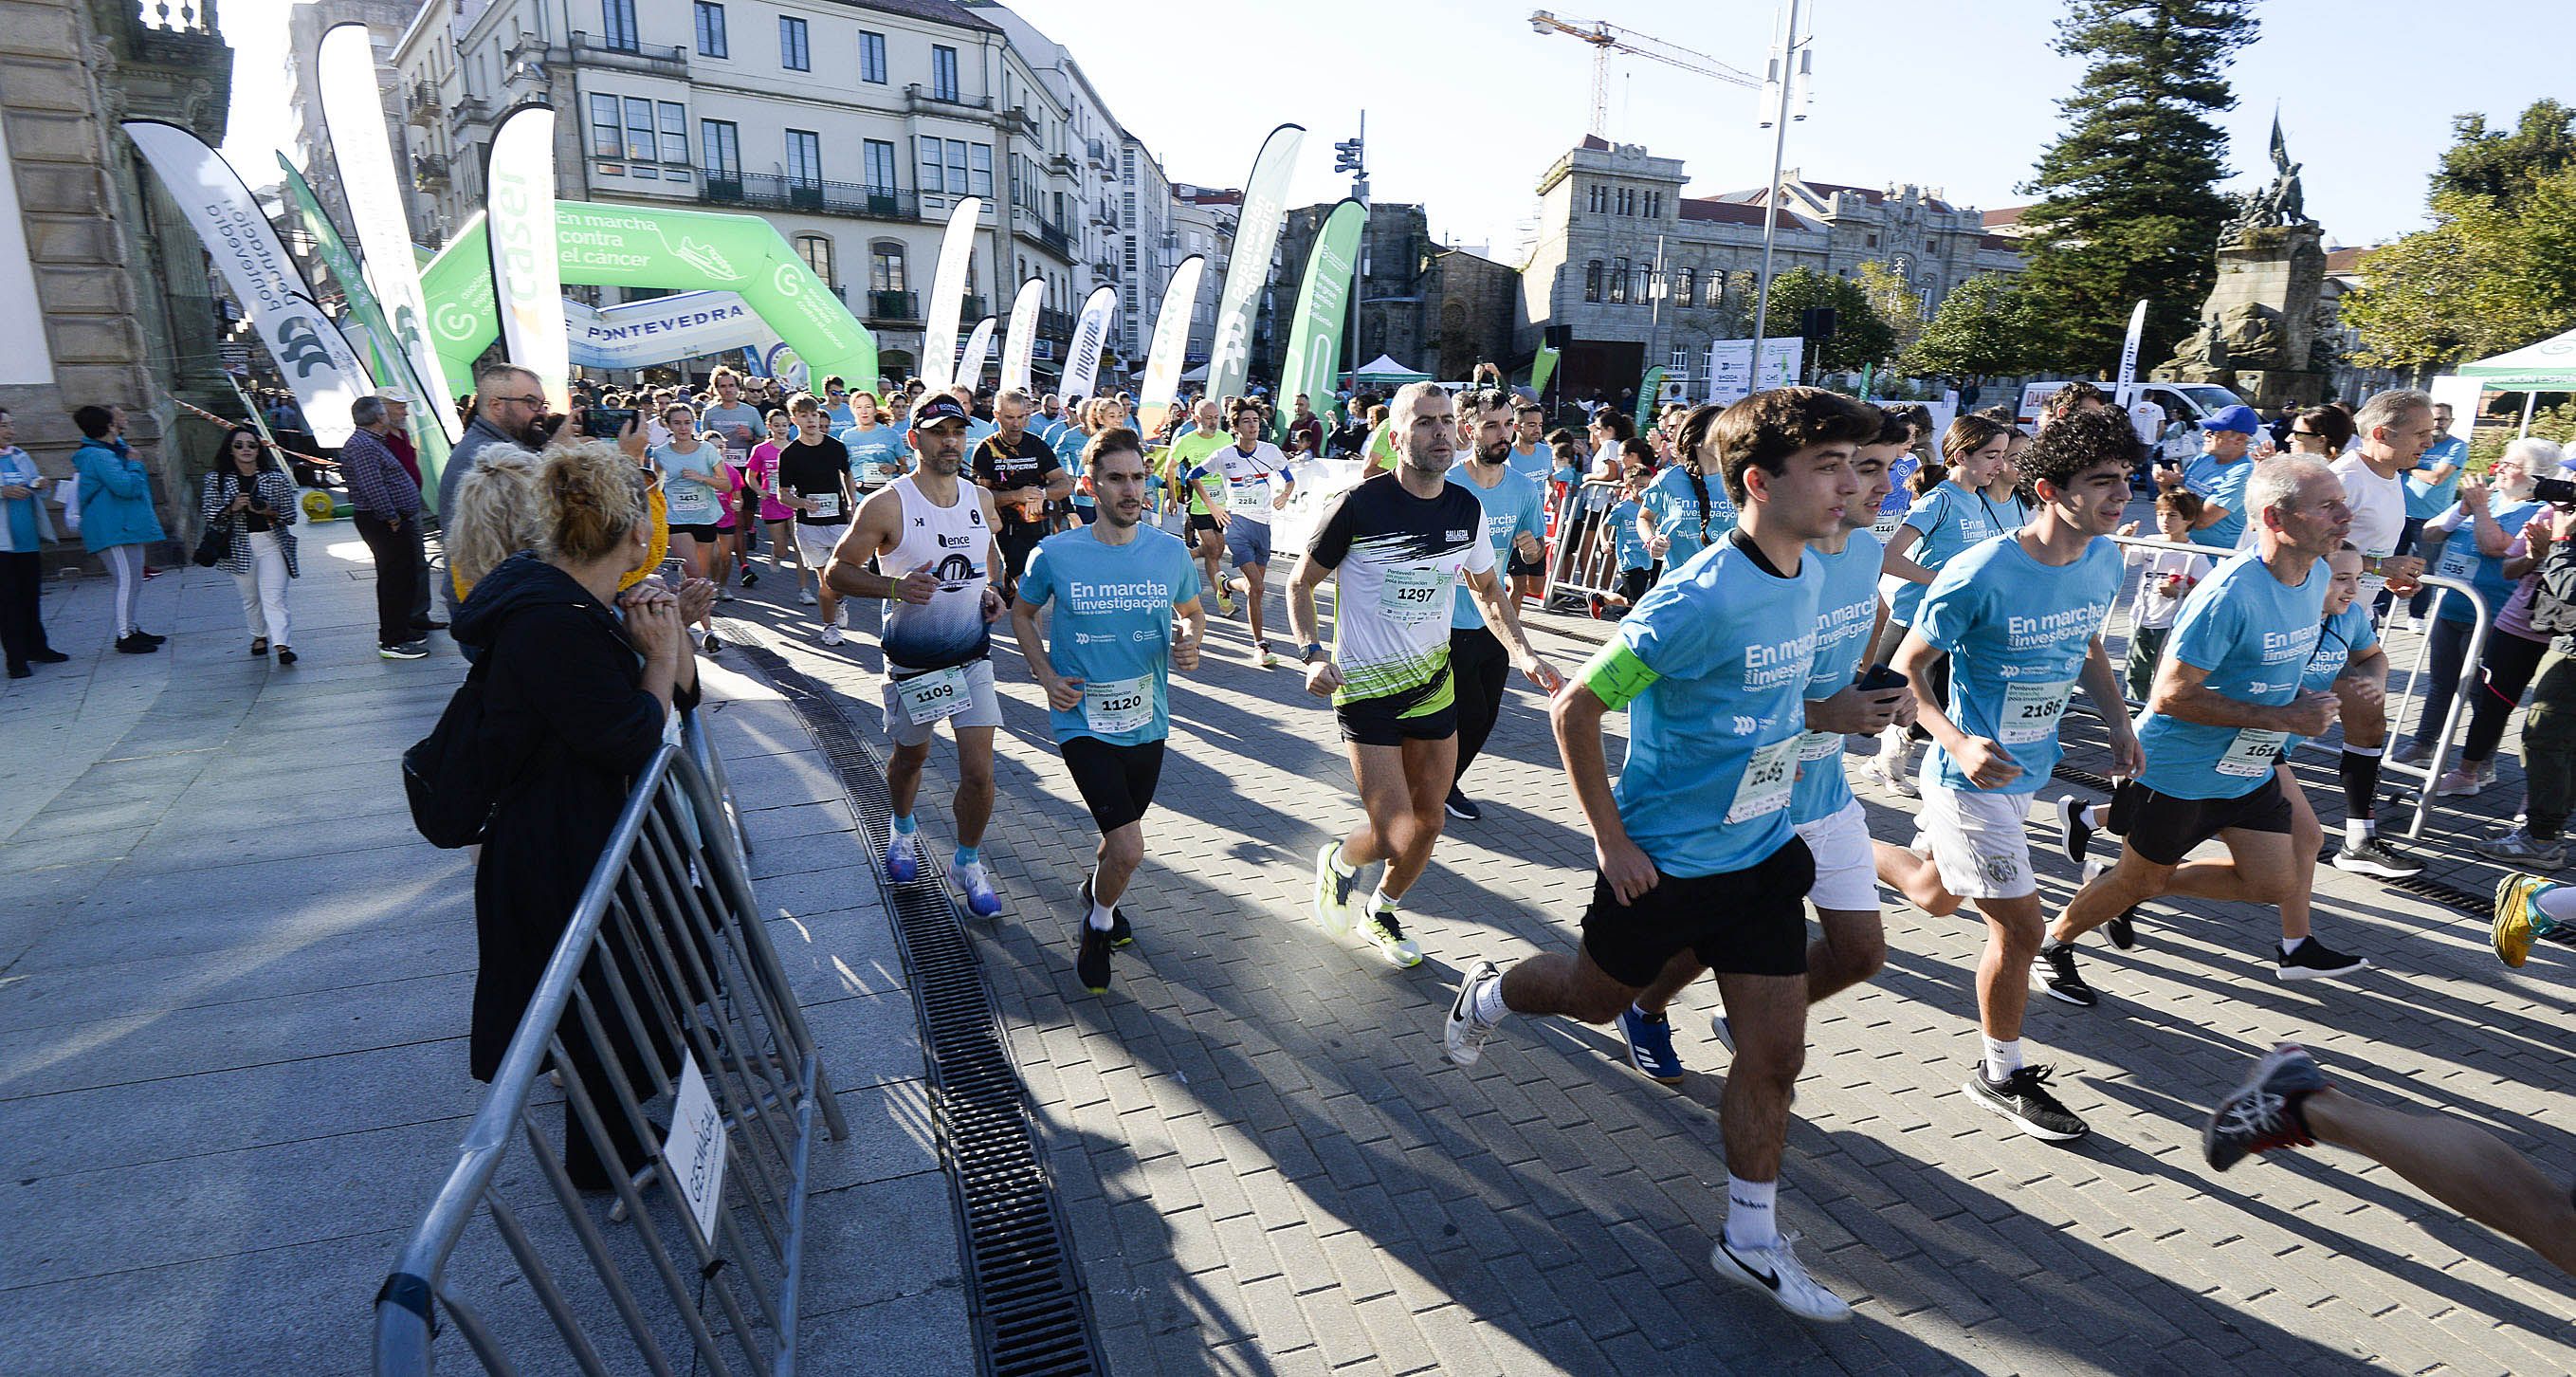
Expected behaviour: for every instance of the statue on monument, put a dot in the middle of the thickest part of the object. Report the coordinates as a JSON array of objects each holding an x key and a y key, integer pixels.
[{"x": 2283, "y": 203}]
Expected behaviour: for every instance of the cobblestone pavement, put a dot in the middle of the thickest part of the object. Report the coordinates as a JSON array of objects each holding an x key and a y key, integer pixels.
[{"x": 1269, "y": 1167}]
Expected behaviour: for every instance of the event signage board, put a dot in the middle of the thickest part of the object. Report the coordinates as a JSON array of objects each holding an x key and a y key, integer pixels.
[
  {"x": 1247, "y": 269},
  {"x": 1315, "y": 340}
]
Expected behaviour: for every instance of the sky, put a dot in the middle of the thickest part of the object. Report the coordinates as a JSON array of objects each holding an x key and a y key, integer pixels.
[{"x": 1467, "y": 106}]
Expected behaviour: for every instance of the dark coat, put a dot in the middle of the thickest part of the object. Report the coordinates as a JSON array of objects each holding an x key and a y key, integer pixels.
[{"x": 568, "y": 726}]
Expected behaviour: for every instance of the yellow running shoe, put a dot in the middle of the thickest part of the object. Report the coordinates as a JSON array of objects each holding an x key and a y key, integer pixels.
[{"x": 2515, "y": 907}]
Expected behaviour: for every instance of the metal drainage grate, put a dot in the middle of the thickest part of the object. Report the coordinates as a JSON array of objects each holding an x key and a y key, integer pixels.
[{"x": 1031, "y": 1313}]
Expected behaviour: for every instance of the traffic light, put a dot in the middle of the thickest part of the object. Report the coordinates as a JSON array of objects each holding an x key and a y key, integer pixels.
[
  {"x": 1817, "y": 322},
  {"x": 1346, "y": 155}
]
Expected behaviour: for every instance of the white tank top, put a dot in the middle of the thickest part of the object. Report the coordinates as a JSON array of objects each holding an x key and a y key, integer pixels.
[{"x": 952, "y": 543}]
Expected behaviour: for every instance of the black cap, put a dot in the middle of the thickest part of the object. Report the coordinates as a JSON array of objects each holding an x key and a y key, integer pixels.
[{"x": 937, "y": 407}]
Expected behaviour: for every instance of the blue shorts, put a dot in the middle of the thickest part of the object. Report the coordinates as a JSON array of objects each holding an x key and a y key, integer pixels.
[{"x": 1247, "y": 542}]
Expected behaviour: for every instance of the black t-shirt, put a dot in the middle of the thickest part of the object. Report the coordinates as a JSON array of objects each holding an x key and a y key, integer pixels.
[
  {"x": 816, "y": 470},
  {"x": 1001, "y": 466}
]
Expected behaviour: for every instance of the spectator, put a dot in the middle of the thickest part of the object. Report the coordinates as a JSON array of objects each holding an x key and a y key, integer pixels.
[
  {"x": 1307, "y": 424},
  {"x": 575, "y": 703},
  {"x": 386, "y": 507},
  {"x": 2323, "y": 431},
  {"x": 2431, "y": 488},
  {"x": 25, "y": 526},
  {"x": 252, "y": 501},
  {"x": 2469, "y": 542},
  {"x": 508, "y": 408},
  {"x": 2547, "y": 552},
  {"x": 117, "y": 519},
  {"x": 496, "y": 516},
  {"x": 398, "y": 439}
]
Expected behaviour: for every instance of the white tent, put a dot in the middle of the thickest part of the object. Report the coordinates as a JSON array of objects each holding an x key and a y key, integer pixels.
[
  {"x": 1383, "y": 369},
  {"x": 2549, "y": 366}
]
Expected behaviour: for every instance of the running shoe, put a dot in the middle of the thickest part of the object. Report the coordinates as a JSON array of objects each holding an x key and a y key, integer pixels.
[
  {"x": 2408, "y": 753},
  {"x": 903, "y": 857},
  {"x": 712, "y": 644},
  {"x": 2264, "y": 1114},
  {"x": 2314, "y": 960},
  {"x": 2518, "y": 919},
  {"x": 1462, "y": 807},
  {"x": 723, "y": 593},
  {"x": 971, "y": 882},
  {"x": 1386, "y": 932},
  {"x": 1725, "y": 1032},
  {"x": 1224, "y": 604},
  {"x": 408, "y": 650},
  {"x": 1333, "y": 891},
  {"x": 1268, "y": 658},
  {"x": 2375, "y": 857},
  {"x": 1091, "y": 959},
  {"x": 1650, "y": 1046},
  {"x": 2024, "y": 1098},
  {"x": 2073, "y": 832},
  {"x": 1776, "y": 1272},
  {"x": 1462, "y": 1035},
  {"x": 2464, "y": 782},
  {"x": 750, "y": 577},
  {"x": 2517, "y": 847},
  {"x": 806, "y": 596},
  {"x": 830, "y": 635},
  {"x": 2063, "y": 980},
  {"x": 1120, "y": 934}
]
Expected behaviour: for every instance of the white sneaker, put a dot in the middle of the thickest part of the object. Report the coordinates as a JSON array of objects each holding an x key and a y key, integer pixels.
[
  {"x": 806, "y": 596},
  {"x": 1463, "y": 1035},
  {"x": 2460, "y": 783},
  {"x": 831, "y": 635},
  {"x": 1776, "y": 1272},
  {"x": 841, "y": 615}
]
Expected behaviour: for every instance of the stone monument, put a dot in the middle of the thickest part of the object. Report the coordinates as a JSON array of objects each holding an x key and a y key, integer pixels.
[{"x": 2259, "y": 331}]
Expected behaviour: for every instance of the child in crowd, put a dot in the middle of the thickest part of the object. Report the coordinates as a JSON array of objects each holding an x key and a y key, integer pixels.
[{"x": 2168, "y": 578}]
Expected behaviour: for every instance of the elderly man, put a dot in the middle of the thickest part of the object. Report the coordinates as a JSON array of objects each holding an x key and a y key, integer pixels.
[{"x": 386, "y": 505}]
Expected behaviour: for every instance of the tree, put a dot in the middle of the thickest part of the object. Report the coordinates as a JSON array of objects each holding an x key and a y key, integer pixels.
[
  {"x": 1896, "y": 303},
  {"x": 1986, "y": 327},
  {"x": 2502, "y": 167},
  {"x": 2496, "y": 270},
  {"x": 1860, "y": 338},
  {"x": 2129, "y": 203}
]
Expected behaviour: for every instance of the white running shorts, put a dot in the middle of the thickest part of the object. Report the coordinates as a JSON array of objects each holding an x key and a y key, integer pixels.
[
  {"x": 815, "y": 543},
  {"x": 1979, "y": 841},
  {"x": 1846, "y": 867},
  {"x": 983, "y": 706}
]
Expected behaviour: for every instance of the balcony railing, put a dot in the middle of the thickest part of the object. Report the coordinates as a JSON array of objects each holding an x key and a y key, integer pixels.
[
  {"x": 770, "y": 191},
  {"x": 467, "y": 110},
  {"x": 1018, "y": 120},
  {"x": 1054, "y": 236},
  {"x": 1054, "y": 324},
  {"x": 921, "y": 100},
  {"x": 428, "y": 170},
  {"x": 641, "y": 57},
  {"x": 894, "y": 306},
  {"x": 1096, "y": 153},
  {"x": 424, "y": 104},
  {"x": 177, "y": 16},
  {"x": 1063, "y": 165}
]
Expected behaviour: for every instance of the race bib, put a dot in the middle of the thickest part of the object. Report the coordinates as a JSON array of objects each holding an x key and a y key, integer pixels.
[
  {"x": 2031, "y": 711},
  {"x": 826, "y": 505},
  {"x": 1815, "y": 746},
  {"x": 1768, "y": 779},
  {"x": 1249, "y": 499},
  {"x": 2252, "y": 753},
  {"x": 2372, "y": 585},
  {"x": 1118, "y": 706},
  {"x": 1410, "y": 597},
  {"x": 928, "y": 697},
  {"x": 2455, "y": 558}
]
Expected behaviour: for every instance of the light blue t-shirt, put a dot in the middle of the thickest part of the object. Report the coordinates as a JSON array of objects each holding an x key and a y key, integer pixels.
[
  {"x": 2226, "y": 489},
  {"x": 1511, "y": 507},
  {"x": 977, "y": 430},
  {"x": 2017, "y": 632},
  {"x": 1631, "y": 541},
  {"x": 1843, "y": 622},
  {"x": 1069, "y": 442},
  {"x": 1533, "y": 463},
  {"x": 1676, "y": 510},
  {"x": 2344, "y": 635},
  {"x": 1950, "y": 518},
  {"x": 689, "y": 486},
  {"x": 876, "y": 454},
  {"x": 841, "y": 417},
  {"x": 1713, "y": 740},
  {"x": 1112, "y": 627},
  {"x": 2253, "y": 636},
  {"x": 2461, "y": 560},
  {"x": 2425, "y": 501}
]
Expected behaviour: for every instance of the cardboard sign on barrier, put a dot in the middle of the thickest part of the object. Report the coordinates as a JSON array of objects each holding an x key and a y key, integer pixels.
[{"x": 695, "y": 1151}]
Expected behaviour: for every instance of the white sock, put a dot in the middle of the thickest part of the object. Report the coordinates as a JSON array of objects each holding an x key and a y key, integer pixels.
[
  {"x": 1101, "y": 916},
  {"x": 1381, "y": 901},
  {"x": 1345, "y": 871},
  {"x": 2358, "y": 830},
  {"x": 2292, "y": 948},
  {"x": 2559, "y": 902},
  {"x": 1649, "y": 1015},
  {"x": 1750, "y": 1222},
  {"x": 2002, "y": 1058},
  {"x": 1489, "y": 1003},
  {"x": 2093, "y": 815}
]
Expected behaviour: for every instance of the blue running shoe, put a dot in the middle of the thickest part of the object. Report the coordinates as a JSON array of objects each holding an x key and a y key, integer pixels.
[
  {"x": 971, "y": 882},
  {"x": 903, "y": 857},
  {"x": 1650, "y": 1046}
]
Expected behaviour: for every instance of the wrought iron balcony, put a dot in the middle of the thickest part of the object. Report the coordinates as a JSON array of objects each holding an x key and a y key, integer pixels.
[
  {"x": 894, "y": 307},
  {"x": 594, "y": 50},
  {"x": 921, "y": 100},
  {"x": 1054, "y": 324},
  {"x": 423, "y": 104},
  {"x": 770, "y": 191}
]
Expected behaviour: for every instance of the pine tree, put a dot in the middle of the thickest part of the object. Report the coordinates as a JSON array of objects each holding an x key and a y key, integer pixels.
[{"x": 2129, "y": 204}]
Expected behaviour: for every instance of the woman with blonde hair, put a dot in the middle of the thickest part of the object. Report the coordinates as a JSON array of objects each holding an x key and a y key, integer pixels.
[{"x": 495, "y": 517}]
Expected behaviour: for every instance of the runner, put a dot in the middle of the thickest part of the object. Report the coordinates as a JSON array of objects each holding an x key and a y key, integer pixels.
[
  {"x": 1713, "y": 668},
  {"x": 932, "y": 536},
  {"x": 2394, "y": 428},
  {"x": 1950, "y": 514},
  {"x": 2020, "y": 617},
  {"x": 1515, "y": 519},
  {"x": 738, "y": 421},
  {"x": 1532, "y": 459},
  {"x": 1235, "y": 483},
  {"x": 814, "y": 478},
  {"x": 1682, "y": 512},
  {"x": 1072, "y": 438},
  {"x": 2230, "y": 694},
  {"x": 1394, "y": 545},
  {"x": 1115, "y": 586},
  {"x": 876, "y": 448},
  {"x": 776, "y": 517},
  {"x": 1023, "y": 475},
  {"x": 1207, "y": 540},
  {"x": 697, "y": 487},
  {"x": 1821, "y": 809}
]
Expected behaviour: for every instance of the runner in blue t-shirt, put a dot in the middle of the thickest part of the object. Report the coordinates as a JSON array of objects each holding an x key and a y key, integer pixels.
[
  {"x": 1677, "y": 522},
  {"x": 1116, "y": 586},
  {"x": 1695, "y": 846},
  {"x": 1636, "y": 565},
  {"x": 2230, "y": 692},
  {"x": 2021, "y": 618},
  {"x": 2474, "y": 534},
  {"x": 1515, "y": 523},
  {"x": 877, "y": 450},
  {"x": 1532, "y": 459},
  {"x": 1070, "y": 440},
  {"x": 1950, "y": 513}
]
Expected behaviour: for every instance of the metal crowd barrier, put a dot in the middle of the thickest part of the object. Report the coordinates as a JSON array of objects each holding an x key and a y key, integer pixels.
[
  {"x": 2462, "y": 700},
  {"x": 710, "y": 763},
  {"x": 663, "y": 984},
  {"x": 1584, "y": 562}
]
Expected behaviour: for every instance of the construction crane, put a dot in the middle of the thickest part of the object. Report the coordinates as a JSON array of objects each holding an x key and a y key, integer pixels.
[{"x": 1607, "y": 38}]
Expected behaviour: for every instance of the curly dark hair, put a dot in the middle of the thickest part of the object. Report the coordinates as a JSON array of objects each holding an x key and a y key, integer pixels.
[
  {"x": 2068, "y": 447},
  {"x": 2063, "y": 402},
  {"x": 1763, "y": 430}
]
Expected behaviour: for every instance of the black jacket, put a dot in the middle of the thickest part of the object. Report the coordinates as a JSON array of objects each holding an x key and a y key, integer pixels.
[{"x": 568, "y": 726}]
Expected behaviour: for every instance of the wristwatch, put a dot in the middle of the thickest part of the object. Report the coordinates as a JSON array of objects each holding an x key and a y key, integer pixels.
[{"x": 1315, "y": 651}]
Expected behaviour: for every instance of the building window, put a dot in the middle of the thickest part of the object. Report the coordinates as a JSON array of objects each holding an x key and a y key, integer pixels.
[
  {"x": 981, "y": 156},
  {"x": 1619, "y": 281},
  {"x": 617, "y": 25},
  {"x": 720, "y": 142},
  {"x": 792, "y": 53},
  {"x": 816, "y": 250},
  {"x": 1715, "y": 288},
  {"x": 804, "y": 157},
  {"x": 607, "y": 133},
  {"x": 639, "y": 130},
  {"x": 1682, "y": 284},
  {"x": 885, "y": 267},
  {"x": 957, "y": 169},
  {"x": 1592, "y": 280},
  {"x": 872, "y": 63},
  {"x": 880, "y": 167},
  {"x": 1596, "y": 200},
  {"x": 943, "y": 73},
  {"x": 1873, "y": 239},
  {"x": 711, "y": 30},
  {"x": 1638, "y": 294}
]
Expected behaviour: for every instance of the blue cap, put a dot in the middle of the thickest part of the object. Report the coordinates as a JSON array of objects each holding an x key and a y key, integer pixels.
[{"x": 2239, "y": 418}]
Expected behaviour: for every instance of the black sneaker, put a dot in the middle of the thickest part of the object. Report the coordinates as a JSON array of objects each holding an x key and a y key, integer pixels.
[
  {"x": 1462, "y": 807},
  {"x": 2023, "y": 1097},
  {"x": 2073, "y": 833},
  {"x": 1120, "y": 934},
  {"x": 2314, "y": 960},
  {"x": 2123, "y": 930},
  {"x": 2263, "y": 1115},
  {"x": 133, "y": 643},
  {"x": 749, "y": 579},
  {"x": 2374, "y": 857},
  {"x": 2063, "y": 981},
  {"x": 1091, "y": 961}
]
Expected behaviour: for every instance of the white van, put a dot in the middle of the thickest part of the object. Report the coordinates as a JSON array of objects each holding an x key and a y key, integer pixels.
[{"x": 2193, "y": 402}]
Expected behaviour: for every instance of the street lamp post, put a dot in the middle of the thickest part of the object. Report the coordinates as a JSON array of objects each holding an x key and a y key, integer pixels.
[{"x": 1788, "y": 66}]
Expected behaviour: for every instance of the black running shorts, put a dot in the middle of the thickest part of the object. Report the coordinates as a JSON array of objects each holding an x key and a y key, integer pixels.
[
  {"x": 1202, "y": 521},
  {"x": 707, "y": 533},
  {"x": 1524, "y": 568},
  {"x": 1743, "y": 922},
  {"x": 2163, "y": 829},
  {"x": 1116, "y": 782}
]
